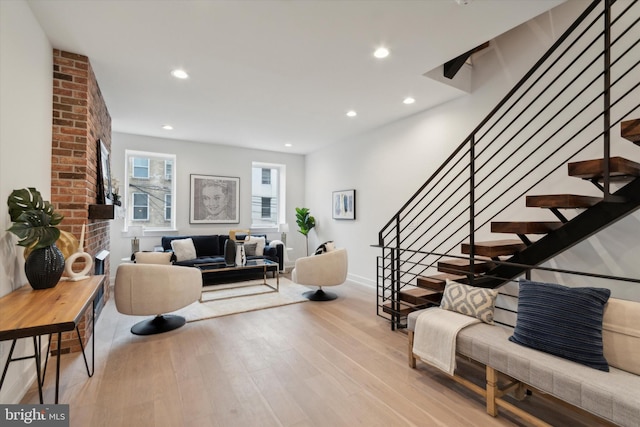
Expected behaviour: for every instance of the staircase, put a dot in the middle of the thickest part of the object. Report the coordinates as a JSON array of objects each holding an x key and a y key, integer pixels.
[{"x": 541, "y": 130}]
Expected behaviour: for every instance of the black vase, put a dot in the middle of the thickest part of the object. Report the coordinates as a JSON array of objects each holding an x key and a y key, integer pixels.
[
  {"x": 44, "y": 267},
  {"x": 230, "y": 252}
]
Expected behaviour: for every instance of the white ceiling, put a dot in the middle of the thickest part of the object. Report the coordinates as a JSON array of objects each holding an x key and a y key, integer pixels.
[{"x": 269, "y": 72}]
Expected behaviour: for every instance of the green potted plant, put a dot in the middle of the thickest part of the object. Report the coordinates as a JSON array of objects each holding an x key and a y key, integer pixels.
[
  {"x": 34, "y": 222},
  {"x": 305, "y": 223}
]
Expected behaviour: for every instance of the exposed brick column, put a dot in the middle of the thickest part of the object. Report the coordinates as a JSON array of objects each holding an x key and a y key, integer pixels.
[{"x": 80, "y": 119}]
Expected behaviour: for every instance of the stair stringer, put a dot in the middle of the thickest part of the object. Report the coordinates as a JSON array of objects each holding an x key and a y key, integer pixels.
[{"x": 583, "y": 226}]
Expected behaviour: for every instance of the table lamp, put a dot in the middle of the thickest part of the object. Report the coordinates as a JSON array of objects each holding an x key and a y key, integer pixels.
[
  {"x": 134, "y": 231},
  {"x": 284, "y": 229}
]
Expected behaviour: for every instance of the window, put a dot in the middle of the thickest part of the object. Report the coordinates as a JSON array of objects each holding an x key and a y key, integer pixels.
[
  {"x": 266, "y": 176},
  {"x": 167, "y": 207},
  {"x": 268, "y": 185},
  {"x": 140, "y": 206},
  {"x": 266, "y": 207},
  {"x": 140, "y": 168},
  {"x": 168, "y": 170},
  {"x": 150, "y": 190}
]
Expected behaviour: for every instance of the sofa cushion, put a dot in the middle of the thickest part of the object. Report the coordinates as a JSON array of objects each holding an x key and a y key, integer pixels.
[
  {"x": 611, "y": 395},
  {"x": 260, "y": 244},
  {"x": 201, "y": 260},
  {"x": 469, "y": 300},
  {"x": 250, "y": 248},
  {"x": 152, "y": 257},
  {"x": 563, "y": 321},
  {"x": 183, "y": 249},
  {"x": 325, "y": 247},
  {"x": 207, "y": 245},
  {"x": 621, "y": 334}
]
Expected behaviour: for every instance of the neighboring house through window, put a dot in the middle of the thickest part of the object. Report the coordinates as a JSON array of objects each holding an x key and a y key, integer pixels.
[
  {"x": 150, "y": 190},
  {"x": 268, "y": 200}
]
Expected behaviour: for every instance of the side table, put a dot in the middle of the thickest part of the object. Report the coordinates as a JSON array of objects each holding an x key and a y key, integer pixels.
[{"x": 29, "y": 313}]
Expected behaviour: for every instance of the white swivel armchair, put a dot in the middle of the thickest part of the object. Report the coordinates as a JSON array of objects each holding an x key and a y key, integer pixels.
[
  {"x": 148, "y": 289},
  {"x": 327, "y": 269}
]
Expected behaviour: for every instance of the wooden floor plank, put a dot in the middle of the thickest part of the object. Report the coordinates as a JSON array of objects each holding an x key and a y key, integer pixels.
[{"x": 303, "y": 365}]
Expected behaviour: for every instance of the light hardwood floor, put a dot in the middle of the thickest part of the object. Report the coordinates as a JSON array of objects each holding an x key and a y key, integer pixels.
[{"x": 310, "y": 364}]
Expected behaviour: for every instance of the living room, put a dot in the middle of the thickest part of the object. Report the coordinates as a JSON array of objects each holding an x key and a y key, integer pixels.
[{"x": 386, "y": 164}]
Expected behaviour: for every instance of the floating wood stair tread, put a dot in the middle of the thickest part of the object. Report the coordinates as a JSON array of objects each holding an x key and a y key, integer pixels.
[
  {"x": 593, "y": 169},
  {"x": 561, "y": 201},
  {"x": 419, "y": 296},
  {"x": 437, "y": 282},
  {"x": 630, "y": 129},
  {"x": 405, "y": 308},
  {"x": 524, "y": 227},
  {"x": 458, "y": 266},
  {"x": 495, "y": 248}
]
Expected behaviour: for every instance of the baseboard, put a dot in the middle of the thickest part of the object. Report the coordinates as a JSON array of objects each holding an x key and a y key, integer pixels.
[{"x": 361, "y": 280}]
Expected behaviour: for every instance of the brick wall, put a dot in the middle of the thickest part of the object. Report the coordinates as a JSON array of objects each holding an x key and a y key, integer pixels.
[{"x": 80, "y": 119}]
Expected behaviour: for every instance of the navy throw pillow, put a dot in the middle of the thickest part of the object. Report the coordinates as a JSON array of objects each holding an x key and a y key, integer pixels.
[{"x": 563, "y": 321}]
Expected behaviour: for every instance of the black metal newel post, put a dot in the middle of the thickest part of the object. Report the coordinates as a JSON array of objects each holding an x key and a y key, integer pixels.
[
  {"x": 472, "y": 210},
  {"x": 395, "y": 278},
  {"x": 607, "y": 99}
]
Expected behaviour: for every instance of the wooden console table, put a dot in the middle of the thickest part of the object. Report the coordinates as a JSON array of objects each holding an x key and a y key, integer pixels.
[{"x": 29, "y": 313}]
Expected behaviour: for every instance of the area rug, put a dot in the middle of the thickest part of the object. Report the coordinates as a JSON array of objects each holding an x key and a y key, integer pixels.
[{"x": 224, "y": 300}]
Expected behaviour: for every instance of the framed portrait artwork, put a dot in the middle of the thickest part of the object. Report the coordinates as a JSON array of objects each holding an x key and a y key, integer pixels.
[
  {"x": 214, "y": 200},
  {"x": 105, "y": 194},
  {"x": 344, "y": 204}
]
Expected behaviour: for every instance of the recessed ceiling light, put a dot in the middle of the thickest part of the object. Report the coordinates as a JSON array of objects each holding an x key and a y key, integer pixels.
[
  {"x": 179, "y": 74},
  {"x": 351, "y": 113},
  {"x": 409, "y": 100},
  {"x": 381, "y": 52},
  {"x": 167, "y": 127},
  {"x": 288, "y": 145}
]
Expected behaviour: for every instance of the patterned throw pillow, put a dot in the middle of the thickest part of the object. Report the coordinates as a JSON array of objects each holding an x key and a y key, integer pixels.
[
  {"x": 250, "y": 248},
  {"x": 563, "y": 321},
  {"x": 325, "y": 247},
  {"x": 469, "y": 300}
]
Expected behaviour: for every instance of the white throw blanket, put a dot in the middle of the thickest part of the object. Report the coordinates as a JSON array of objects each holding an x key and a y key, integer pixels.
[{"x": 434, "y": 339}]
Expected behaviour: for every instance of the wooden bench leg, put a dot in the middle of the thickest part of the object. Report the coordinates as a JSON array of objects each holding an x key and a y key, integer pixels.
[
  {"x": 492, "y": 391},
  {"x": 412, "y": 358}
]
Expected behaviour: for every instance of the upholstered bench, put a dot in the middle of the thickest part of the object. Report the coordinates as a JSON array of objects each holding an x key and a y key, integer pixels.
[{"x": 612, "y": 396}]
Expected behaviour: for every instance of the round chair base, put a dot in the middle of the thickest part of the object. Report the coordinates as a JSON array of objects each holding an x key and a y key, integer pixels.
[
  {"x": 319, "y": 295},
  {"x": 157, "y": 325}
]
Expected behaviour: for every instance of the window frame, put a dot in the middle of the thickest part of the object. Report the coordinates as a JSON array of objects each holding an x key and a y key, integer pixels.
[
  {"x": 281, "y": 202},
  {"x": 133, "y": 166},
  {"x": 156, "y": 210},
  {"x": 134, "y": 206}
]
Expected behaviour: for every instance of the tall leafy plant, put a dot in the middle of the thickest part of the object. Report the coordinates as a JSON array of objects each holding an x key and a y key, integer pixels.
[
  {"x": 34, "y": 219},
  {"x": 305, "y": 222}
]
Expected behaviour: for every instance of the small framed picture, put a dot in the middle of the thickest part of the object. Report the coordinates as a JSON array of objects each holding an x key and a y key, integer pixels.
[
  {"x": 105, "y": 194},
  {"x": 214, "y": 200},
  {"x": 344, "y": 204}
]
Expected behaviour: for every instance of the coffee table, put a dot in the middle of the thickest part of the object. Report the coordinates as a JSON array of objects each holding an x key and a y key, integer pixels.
[{"x": 253, "y": 264}]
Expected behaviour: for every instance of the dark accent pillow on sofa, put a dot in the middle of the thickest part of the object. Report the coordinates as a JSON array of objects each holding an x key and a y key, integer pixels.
[{"x": 563, "y": 321}]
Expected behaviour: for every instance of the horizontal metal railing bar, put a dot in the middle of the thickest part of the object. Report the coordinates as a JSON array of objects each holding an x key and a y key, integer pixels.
[
  {"x": 521, "y": 82},
  {"x": 542, "y": 92},
  {"x": 548, "y": 269},
  {"x": 403, "y": 264},
  {"x": 556, "y": 45},
  {"x": 483, "y": 165},
  {"x": 449, "y": 170}
]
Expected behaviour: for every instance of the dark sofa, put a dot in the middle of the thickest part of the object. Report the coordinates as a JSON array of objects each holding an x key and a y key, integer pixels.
[{"x": 210, "y": 248}]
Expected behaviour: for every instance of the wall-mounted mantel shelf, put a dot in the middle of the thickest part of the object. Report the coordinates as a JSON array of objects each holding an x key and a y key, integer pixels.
[{"x": 101, "y": 211}]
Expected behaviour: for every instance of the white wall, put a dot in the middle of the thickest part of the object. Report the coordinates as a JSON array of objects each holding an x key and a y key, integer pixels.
[
  {"x": 386, "y": 166},
  {"x": 25, "y": 152},
  {"x": 206, "y": 159}
]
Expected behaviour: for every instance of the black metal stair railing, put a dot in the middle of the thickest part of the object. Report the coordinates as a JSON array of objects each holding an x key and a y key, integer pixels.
[{"x": 564, "y": 109}]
